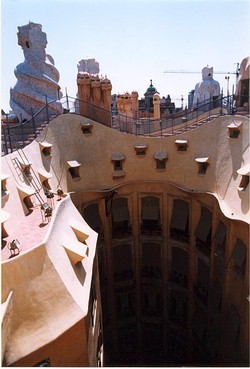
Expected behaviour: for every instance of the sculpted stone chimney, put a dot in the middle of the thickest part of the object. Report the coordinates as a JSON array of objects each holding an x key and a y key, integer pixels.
[
  {"x": 106, "y": 93},
  {"x": 37, "y": 77},
  {"x": 119, "y": 103},
  {"x": 135, "y": 104},
  {"x": 124, "y": 104},
  {"x": 94, "y": 93},
  {"x": 127, "y": 104},
  {"x": 156, "y": 103},
  {"x": 206, "y": 89},
  {"x": 84, "y": 91}
]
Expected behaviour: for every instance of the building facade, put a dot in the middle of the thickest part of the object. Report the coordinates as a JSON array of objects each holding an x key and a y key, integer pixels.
[{"x": 140, "y": 257}]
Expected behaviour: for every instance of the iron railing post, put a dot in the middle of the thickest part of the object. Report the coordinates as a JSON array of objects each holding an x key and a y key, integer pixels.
[
  {"x": 22, "y": 134},
  {"x": 21, "y": 125},
  {"x": 209, "y": 107},
  {"x": 67, "y": 100},
  {"x": 232, "y": 106},
  {"x": 47, "y": 108},
  {"x": 5, "y": 141},
  {"x": 33, "y": 122},
  {"x": 8, "y": 130}
]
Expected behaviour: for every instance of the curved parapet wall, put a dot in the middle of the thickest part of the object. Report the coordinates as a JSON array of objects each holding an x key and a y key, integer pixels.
[
  {"x": 46, "y": 295},
  {"x": 225, "y": 157},
  {"x": 37, "y": 77}
]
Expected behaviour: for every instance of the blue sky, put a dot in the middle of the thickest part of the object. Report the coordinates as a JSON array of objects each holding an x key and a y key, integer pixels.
[{"x": 133, "y": 41}]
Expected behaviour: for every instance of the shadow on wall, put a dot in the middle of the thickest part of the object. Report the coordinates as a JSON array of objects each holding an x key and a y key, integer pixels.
[
  {"x": 235, "y": 149},
  {"x": 80, "y": 272},
  {"x": 244, "y": 197}
]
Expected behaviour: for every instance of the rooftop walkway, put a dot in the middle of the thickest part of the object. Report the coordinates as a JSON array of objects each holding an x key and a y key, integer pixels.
[{"x": 30, "y": 231}]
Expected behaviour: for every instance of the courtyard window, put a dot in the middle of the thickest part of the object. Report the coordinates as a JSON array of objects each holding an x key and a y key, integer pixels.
[
  {"x": 46, "y": 148},
  {"x": 204, "y": 231},
  {"x": 239, "y": 258},
  {"x": 244, "y": 172},
  {"x": 92, "y": 217},
  {"x": 73, "y": 169},
  {"x": 87, "y": 128},
  {"x": 161, "y": 159},
  {"x": 140, "y": 149},
  {"x": 122, "y": 263},
  {"x": 233, "y": 325},
  {"x": 179, "y": 225},
  {"x": 216, "y": 296},
  {"x": 120, "y": 218},
  {"x": 125, "y": 302},
  {"x": 117, "y": 159},
  {"x": 150, "y": 215},
  {"x": 220, "y": 239},
  {"x": 233, "y": 130},
  {"x": 151, "y": 260},
  {"x": 181, "y": 145},
  {"x": 201, "y": 286},
  {"x": 203, "y": 165},
  {"x": 177, "y": 307},
  {"x": 179, "y": 267},
  {"x": 151, "y": 301}
]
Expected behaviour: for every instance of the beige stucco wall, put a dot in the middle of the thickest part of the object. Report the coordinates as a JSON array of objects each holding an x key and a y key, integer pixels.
[
  {"x": 50, "y": 295},
  {"x": 68, "y": 350},
  {"x": 94, "y": 153}
]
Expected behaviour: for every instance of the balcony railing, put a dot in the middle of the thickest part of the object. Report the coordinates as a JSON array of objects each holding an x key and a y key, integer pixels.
[{"x": 18, "y": 135}]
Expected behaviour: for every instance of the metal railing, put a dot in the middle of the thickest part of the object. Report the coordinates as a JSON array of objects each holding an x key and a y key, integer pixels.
[
  {"x": 18, "y": 135},
  {"x": 168, "y": 124}
]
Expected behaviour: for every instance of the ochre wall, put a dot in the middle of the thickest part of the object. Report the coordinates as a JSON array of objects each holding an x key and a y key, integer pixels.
[{"x": 70, "y": 349}]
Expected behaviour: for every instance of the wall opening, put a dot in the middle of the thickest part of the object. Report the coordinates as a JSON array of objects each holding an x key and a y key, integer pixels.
[{"x": 150, "y": 215}]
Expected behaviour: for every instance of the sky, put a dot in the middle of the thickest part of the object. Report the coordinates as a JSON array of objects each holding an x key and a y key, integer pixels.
[{"x": 134, "y": 41}]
